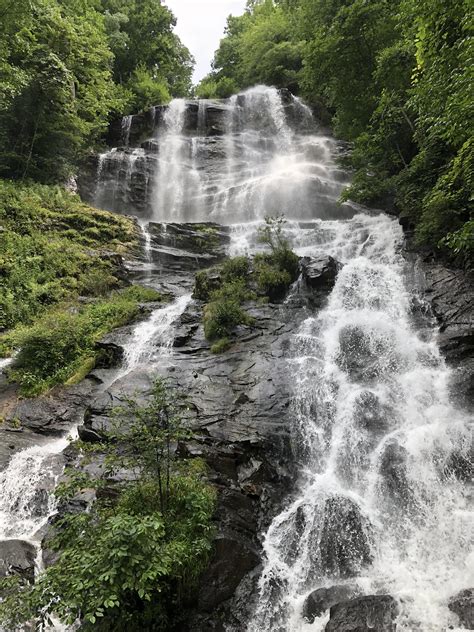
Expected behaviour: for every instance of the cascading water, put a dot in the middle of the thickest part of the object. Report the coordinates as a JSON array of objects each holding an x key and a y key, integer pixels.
[
  {"x": 376, "y": 507},
  {"x": 230, "y": 161}
]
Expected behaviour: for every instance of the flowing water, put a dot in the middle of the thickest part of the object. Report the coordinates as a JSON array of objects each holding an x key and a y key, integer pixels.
[{"x": 376, "y": 505}]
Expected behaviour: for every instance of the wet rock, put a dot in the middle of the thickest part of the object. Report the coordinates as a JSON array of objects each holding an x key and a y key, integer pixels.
[
  {"x": 374, "y": 613},
  {"x": 233, "y": 558},
  {"x": 366, "y": 355},
  {"x": 462, "y": 604},
  {"x": 450, "y": 294},
  {"x": 17, "y": 557},
  {"x": 185, "y": 247},
  {"x": 110, "y": 353},
  {"x": 322, "y": 599},
  {"x": 345, "y": 538},
  {"x": 320, "y": 273},
  {"x": 44, "y": 415},
  {"x": 460, "y": 466},
  {"x": 393, "y": 468},
  {"x": 371, "y": 414}
]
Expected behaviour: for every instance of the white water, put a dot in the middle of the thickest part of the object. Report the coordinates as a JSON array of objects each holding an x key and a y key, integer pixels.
[
  {"x": 153, "y": 338},
  {"x": 374, "y": 429},
  {"x": 257, "y": 163},
  {"x": 26, "y": 501}
]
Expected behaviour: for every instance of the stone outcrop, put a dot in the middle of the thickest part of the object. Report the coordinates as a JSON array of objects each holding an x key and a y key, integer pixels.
[
  {"x": 17, "y": 557},
  {"x": 322, "y": 599},
  {"x": 374, "y": 613},
  {"x": 462, "y": 604}
]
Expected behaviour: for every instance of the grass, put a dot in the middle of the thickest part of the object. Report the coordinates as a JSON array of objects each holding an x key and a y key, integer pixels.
[
  {"x": 60, "y": 347},
  {"x": 54, "y": 248}
]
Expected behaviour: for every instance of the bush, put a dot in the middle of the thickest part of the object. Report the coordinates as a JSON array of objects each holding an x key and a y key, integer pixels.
[
  {"x": 235, "y": 268},
  {"x": 128, "y": 563},
  {"x": 222, "y": 316},
  {"x": 221, "y": 345},
  {"x": 271, "y": 280},
  {"x": 206, "y": 281},
  {"x": 61, "y": 345}
]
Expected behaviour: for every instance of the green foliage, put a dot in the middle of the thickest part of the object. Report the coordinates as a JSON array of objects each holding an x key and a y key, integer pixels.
[
  {"x": 60, "y": 346},
  {"x": 125, "y": 565},
  {"x": 227, "y": 288},
  {"x": 67, "y": 66},
  {"x": 54, "y": 248},
  {"x": 221, "y": 316},
  {"x": 221, "y": 345}
]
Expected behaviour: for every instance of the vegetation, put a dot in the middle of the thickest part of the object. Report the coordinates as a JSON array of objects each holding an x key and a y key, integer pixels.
[
  {"x": 68, "y": 66},
  {"x": 54, "y": 248},
  {"x": 128, "y": 563},
  {"x": 61, "y": 346},
  {"x": 239, "y": 279},
  {"x": 396, "y": 79}
]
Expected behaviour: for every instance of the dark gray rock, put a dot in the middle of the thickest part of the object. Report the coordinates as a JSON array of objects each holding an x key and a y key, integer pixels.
[
  {"x": 375, "y": 613},
  {"x": 462, "y": 604},
  {"x": 320, "y": 273},
  {"x": 450, "y": 295},
  {"x": 322, "y": 599},
  {"x": 233, "y": 559},
  {"x": 345, "y": 538},
  {"x": 393, "y": 467},
  {"x": 17, "y": 557}
]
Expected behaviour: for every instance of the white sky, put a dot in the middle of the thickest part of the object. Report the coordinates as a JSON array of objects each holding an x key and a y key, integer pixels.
[{"x": 201, "y": 26}]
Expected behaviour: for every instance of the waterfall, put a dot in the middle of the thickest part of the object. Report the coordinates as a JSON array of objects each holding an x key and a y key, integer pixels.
[
  {"x": 25, "y": 485},
  {"x": 377, "y": 506},
  {"x": 374, "y": 431},
  {"x": 126, "y": 127},
  {"x": 153, "y": 337},
  {"x": 234, "y": 160}
]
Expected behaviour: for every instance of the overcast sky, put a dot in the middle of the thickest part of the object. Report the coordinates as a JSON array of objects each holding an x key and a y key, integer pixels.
[{"x": 201, "y": 26}]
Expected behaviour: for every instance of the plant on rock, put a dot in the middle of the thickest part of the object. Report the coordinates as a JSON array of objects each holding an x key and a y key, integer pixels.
[{"x": 127, "y": 563}]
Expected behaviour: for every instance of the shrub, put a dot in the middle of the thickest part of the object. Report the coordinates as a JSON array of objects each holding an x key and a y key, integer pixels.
[
  {"x": 61, "y": 345},
  {"x": 206, "y": 281},
  {"x": 221, "y": 345},
  {"x": 222, "y": 316},
  {"x": 272, "y": 280},
  {"x": 127, "y": 564},
  {"x": 235, "y": 268}
]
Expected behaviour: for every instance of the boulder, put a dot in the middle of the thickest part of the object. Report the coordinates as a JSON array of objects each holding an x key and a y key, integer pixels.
[
  {"x": 320, "y": 273},
  {"x": 322, "y": 599},
  {"x": 17, "y": 557},
  {"x": 233, "y": 558},
  {"x": 374, "y": 613},
  {"x": 393, "y": 467},
  {"x": 462, "y": 604},
  {"x": 345, "y": 538}
]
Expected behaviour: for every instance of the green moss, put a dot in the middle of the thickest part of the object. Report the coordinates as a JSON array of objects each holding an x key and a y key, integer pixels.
[{"x": 54, "y": 248}]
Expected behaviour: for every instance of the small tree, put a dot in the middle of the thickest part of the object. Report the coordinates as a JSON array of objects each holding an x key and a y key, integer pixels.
[{"x": 145, "y": 435}]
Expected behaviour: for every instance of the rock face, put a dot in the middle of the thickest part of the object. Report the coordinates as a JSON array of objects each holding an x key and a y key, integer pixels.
[
  {"x": 17, "y": 557},
  {"x": 345, "y": 538},
  {"x": 320, "y": 273},
  {"x": 462, "y": 604},
  {"x": 322, "y": 599},
  {"x": 375, "y": 613},
  {"x": 450, "y": 296}
]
